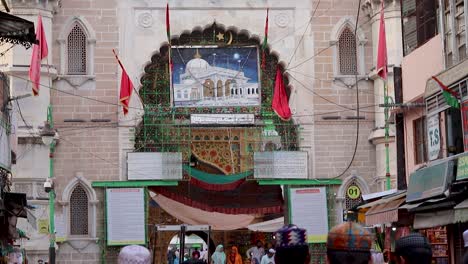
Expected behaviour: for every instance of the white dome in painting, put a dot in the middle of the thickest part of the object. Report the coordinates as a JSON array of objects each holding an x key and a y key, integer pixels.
[{"x": 197, "y": 64}]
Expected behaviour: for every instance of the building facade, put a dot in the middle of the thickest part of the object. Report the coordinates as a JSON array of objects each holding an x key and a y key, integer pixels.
[
  {"x": 434, "y": 38},
  {"x": 318, "y": 44}
]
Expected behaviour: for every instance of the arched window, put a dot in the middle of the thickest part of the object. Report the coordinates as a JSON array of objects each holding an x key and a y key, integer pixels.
[
  {"x": 347, "y": 52},
  {"x": 348, "y": 47},
  {"x": 353, "y": 195},
  {"x": 79, "y": 211},
  {"x": 76, "y": 49},
  {"x": 77, "y": 42}
]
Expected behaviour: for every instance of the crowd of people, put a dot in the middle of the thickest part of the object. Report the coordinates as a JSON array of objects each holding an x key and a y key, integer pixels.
[{"x": 347, "y": 243}]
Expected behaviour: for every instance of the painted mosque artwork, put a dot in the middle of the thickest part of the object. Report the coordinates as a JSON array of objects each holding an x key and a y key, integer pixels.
[{"x": 215, "y": 77}]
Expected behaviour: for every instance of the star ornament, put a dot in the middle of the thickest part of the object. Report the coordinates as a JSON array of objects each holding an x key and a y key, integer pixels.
[{"x": 220, "y": 36}]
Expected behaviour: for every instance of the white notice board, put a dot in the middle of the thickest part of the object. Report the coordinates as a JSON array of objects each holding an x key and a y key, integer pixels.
[
  {"x": 280, "y": 165},
  {"x": 308, "y": 209},
  {"x": 125, "y": 212},
  {"x": 433, "y": 137}
]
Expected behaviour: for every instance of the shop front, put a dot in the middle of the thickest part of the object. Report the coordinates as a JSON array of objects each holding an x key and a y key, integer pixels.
[
  {"x": 435, "y": 199},
  {"x": 388, "y": 220}
]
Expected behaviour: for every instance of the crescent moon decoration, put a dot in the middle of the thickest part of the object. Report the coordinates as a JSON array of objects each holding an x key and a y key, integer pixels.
[{"x": 230, "y": 38}]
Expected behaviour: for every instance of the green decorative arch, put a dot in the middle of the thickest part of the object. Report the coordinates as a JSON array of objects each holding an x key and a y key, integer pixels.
[{"x": 167, "y": 129}]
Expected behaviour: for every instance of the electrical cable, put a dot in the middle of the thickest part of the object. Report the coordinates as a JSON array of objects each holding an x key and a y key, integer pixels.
[
  {"x": 357, "y": 101},
  {"x": 303, "y": 34},
  {"x": 5, "y": 51}
]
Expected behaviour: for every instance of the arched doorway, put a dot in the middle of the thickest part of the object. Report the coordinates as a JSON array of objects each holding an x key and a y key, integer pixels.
[
  {"x": 350, "y": 193},
  {"x": 227, "y": 88},
  {"x": 219, "y": 89},
  {"x": 208, "y": 88},
  {"x": 194, "y": 241}
]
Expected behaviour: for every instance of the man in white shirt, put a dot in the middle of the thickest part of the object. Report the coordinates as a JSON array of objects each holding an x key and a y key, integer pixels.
[
  {"x": 269, "y": 258},
  {"x": 256, "y": 252}
]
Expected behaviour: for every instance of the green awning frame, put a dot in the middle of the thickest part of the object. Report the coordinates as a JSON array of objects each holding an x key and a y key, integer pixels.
[
  {"x": 124, "y": 184},
  {"x": 145, "y": 183},
  {"x": 299, "y": 181}
]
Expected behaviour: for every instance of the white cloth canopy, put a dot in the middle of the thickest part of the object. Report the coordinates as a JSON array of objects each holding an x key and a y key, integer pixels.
[
  {"x": 269, "y": 226},
  {"x": 194, "y": 216}
]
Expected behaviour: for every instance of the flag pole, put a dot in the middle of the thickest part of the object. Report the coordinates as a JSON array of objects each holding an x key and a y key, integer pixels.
[
  {"x": 134, "y": 89},
  {"x": 387, "y": 150},
  {"x": 382, "y": 71}
]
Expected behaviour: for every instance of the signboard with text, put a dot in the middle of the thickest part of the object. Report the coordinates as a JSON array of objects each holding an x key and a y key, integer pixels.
[
  {"x": 154, "y": 165},
  {"x": 433, "y": 137},
  {"x": 5, "y": 150},
  {"x": 430, "y": 182},
  {"x": 464, "y": 111},
  {"x": 308, "y": 209},
  {"x": 462, "y": 168},
  {"x": 280, "y": 165},
  {"x": 222, "y": 119},
  {"x": 126, "y": 218}
]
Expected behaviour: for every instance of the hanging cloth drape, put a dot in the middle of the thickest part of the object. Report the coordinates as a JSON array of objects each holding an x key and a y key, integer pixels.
[
  {"x": 194, "y": 216},
  {"x": 248, "y": 198},
  {"x": 215, "y": 182}
]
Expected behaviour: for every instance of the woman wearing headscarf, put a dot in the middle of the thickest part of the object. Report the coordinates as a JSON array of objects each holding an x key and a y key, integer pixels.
[
  {"x": 234, "y": 256},
  {"x": 219, "y": 257}
]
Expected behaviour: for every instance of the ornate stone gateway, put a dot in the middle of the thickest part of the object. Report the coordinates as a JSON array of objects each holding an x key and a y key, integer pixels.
[{"x": 214, "y": 107}]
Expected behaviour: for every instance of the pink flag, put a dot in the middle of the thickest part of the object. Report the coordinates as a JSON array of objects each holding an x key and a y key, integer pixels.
[
  {"x": 382, "y": 69},
  {"x": 39, "y": 52},
  {"x": 280, "y": 99}
]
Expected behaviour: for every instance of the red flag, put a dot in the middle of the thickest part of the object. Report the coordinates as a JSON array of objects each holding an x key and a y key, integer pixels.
[
  {"x": 39, "y": 52},
  {"x": 449, "y": 95},
  {"x": 280, "y": 100},
  {"x": 264, "y": 45},
  {"x": 382, "y": 69},
  {"x": 168, "y": 32},
  {"x": 444, "y": 87},
  {"x": 126, "y": 87},
  {"x": 168, "y": 25}
]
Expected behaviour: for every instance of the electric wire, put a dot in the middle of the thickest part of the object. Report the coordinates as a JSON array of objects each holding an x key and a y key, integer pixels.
[
  {"x": 303, "y": 34},
  {"x": 357, "y": 102}
]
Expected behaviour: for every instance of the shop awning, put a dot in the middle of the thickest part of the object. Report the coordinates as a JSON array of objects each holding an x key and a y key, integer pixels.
[
  {"x": 411, "y": 207},
  {"x": 376, "y": 195},
  {"x": 384, "y": 213},
  {"x": 269, "y": 226},
  {"x": 433, "y": 219},
  {"x": 384, "y": 200},
  {"x": 461, "y": 212},
  {"x": 16, "y": 30}
]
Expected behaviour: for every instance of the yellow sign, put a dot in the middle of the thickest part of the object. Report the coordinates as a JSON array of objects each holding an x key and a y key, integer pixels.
[
  {"x": 316, "y": 238},
  {"x": 353, "y": 192},
  {"x": 43, "y": 226}
]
